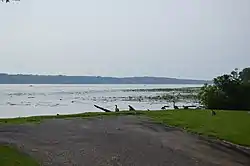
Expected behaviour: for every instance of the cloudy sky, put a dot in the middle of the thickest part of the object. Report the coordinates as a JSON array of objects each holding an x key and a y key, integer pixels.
[{"x": 171, "y": 38}]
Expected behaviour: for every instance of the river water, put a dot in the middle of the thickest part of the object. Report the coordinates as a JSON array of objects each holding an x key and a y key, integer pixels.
[{"x": 33, "y": 100}]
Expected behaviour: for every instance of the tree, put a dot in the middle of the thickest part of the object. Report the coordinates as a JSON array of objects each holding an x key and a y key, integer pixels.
[
  {"x": 245, "y": 75},
  {"x": 211, "y": 97},
  {"x": 229, "y": 91}
]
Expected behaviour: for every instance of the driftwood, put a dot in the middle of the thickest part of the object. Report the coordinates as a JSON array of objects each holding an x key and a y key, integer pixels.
[
  {"x": 164, "y": 107},
  {"x": 192, "y": 106},
  {"x": 103, "y": 109},
  {"x": 189, "y": 106},
  {"x": 131, "y": 108}
]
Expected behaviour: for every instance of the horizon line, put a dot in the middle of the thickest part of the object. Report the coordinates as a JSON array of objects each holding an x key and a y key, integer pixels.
[{"x": 63, "y": 75}]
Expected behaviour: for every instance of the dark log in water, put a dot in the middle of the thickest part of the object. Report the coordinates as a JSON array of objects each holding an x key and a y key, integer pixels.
[
  {"x": 131, "y": 108},
  {"x": 103, "y": 109},
  {"x": 164, "y": 107}
]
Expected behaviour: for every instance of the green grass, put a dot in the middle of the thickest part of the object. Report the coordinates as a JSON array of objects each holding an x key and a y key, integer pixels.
[
  {"x": 11, "y": 157},
  {"x": 233, "y": 126},
  {"x": 38, "y": 119}
]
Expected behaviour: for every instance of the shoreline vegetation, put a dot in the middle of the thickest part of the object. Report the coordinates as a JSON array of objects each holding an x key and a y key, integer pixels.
[
  {"x": 181, "y": 96},
  {"x": 183, "y": 90},
  {"x": 169, "y": 95}
]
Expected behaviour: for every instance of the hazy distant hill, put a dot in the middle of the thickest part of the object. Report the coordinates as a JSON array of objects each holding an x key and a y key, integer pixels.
[{"x": 42, "y": 79}]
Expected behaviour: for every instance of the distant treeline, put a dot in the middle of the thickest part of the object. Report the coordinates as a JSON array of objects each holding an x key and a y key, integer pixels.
[{"x": 61, "y": 79}]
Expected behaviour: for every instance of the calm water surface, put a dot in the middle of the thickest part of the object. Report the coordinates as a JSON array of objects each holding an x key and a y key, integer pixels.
[{"x": 26, "y": 100}]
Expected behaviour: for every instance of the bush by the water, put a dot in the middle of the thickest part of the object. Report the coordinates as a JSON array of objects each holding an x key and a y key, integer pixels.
[{"x": 229, "y": 91}]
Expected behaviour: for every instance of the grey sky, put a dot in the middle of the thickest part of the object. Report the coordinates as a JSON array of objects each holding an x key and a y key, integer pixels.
[{"x": 173, "y": 38}]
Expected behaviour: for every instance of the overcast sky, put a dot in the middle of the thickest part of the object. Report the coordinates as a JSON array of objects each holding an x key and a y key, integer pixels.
[{"x": 173, "y": 38}]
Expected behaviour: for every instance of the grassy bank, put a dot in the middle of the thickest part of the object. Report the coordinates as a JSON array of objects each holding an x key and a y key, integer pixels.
[
  {"x": 37, "y": 119},
  {"x": 11, "y": 157},
  {"x": 233, "y": 126}
]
